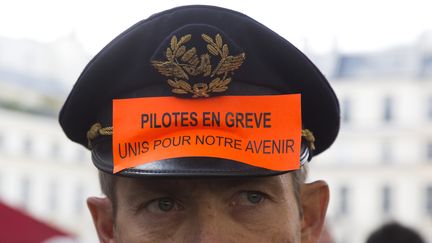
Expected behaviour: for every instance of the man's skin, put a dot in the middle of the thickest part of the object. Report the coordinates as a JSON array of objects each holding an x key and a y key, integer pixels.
[{"x": 259, "y": 209}]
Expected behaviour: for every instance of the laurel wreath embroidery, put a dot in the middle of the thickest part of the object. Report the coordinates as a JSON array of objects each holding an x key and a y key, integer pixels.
[{"x": 182, "y": 63}]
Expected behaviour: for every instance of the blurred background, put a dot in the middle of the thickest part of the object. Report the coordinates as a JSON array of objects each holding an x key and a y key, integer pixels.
[{"x": 376, "y": 54}]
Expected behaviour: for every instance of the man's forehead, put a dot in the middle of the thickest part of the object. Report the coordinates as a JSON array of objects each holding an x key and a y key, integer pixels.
[{"x": 135, "y": 185}]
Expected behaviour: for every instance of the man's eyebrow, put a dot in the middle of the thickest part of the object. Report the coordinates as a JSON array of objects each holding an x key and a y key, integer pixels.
[
  {"x": 177, "y": 186},
  {"x": 275, "y": 183}
]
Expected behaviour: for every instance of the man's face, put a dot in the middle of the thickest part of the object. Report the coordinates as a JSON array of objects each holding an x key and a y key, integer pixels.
[{"x": 206, "y": 210}]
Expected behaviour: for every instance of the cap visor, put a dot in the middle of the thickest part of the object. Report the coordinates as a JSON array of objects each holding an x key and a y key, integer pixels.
[{"x": 177, "y": 167}]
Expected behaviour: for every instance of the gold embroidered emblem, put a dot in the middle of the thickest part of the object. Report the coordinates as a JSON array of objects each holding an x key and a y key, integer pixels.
[{"x": 182, "y": 63}]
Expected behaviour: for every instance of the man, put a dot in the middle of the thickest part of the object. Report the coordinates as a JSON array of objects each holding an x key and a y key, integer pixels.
[{"x": 200, "y": 121}]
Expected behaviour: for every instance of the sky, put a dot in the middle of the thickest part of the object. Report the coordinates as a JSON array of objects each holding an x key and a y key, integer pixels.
[{"x": 318, "y": 26}]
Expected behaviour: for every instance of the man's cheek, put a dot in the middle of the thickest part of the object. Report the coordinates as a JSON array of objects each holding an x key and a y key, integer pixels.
[
  {"x": 138, "y": 228},
  {"x": 254, "y": 218},
  {"x": 276, "y": 227},
  {"x": 268, "y": 224}
]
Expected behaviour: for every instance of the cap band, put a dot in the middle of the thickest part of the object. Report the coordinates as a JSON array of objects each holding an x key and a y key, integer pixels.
[{"x": 263, "y": 131}]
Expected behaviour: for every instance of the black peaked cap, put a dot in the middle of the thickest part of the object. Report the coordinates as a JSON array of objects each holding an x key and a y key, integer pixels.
[{"x": 272, "y": 66}]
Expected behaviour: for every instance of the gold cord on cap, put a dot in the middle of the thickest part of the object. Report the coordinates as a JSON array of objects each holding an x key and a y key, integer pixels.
[
  {"x": 96, "y": 130},
  {"x": 310, "y": 138}
]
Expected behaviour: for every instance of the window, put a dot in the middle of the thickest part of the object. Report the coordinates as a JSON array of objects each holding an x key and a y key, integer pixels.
[
  {"x": 388, "y": 109},
  {"x": 429, "y": 151},
  {"x": 386, "y": 199},
  {"x": 346, "y": 110},
  {"x": 52, "y": 198},
  {"x": 55, "y": 150},
  {"x": 429, "y": 108},
  {"x": 25, "y": 192},
  {"x": 351, "y": 66},
  {"x": 429, "y": 200},
  {"x": 426, "y": 67},
  {"x": 28, "y": 146},
  {"x": 343, "y": 203},
  {"x": 79, "y": 199},
  {"x": 1, "y": 141},
  {"x": 386, "y": 152}
]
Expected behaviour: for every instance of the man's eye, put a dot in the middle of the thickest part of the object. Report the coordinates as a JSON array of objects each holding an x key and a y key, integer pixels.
[
  {"x": 163, "y": 205},
  {"x": 251, "y": 198}
]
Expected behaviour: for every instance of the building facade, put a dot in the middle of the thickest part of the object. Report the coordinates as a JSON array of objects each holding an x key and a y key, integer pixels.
[
  {"x": 380, "y": 167},
  {"x": 46, "y": 175}
]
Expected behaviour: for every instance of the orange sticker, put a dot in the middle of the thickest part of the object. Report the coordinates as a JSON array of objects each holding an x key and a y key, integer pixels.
[{"x": 263, "y": 131}]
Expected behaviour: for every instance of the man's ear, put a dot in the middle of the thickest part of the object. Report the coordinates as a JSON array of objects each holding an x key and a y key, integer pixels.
[
  {"x": 314, "y": 201},
  {"x": 102, "y": 213}
]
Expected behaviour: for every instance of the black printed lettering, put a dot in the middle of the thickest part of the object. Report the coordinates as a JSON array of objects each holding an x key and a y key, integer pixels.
[
  {"x": 166, "y": 119},
  {"x": 176, "y": 114},
  {"x": 206, "y": 119},
  {"x": 215, "y": 119},
  {"x": 130, "y": 149},
  {"x": 194, "y": 119},
  {"x": 267, "y": 119},
  {"x": 239, "y": 119},
  {"x": 184, "y": 119},
  {"x": 266, "y": 146},
  {"x": 229, "y": 119},
  {"x": 249, "y": 120},
  {"x": 144, "y": 119}
]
